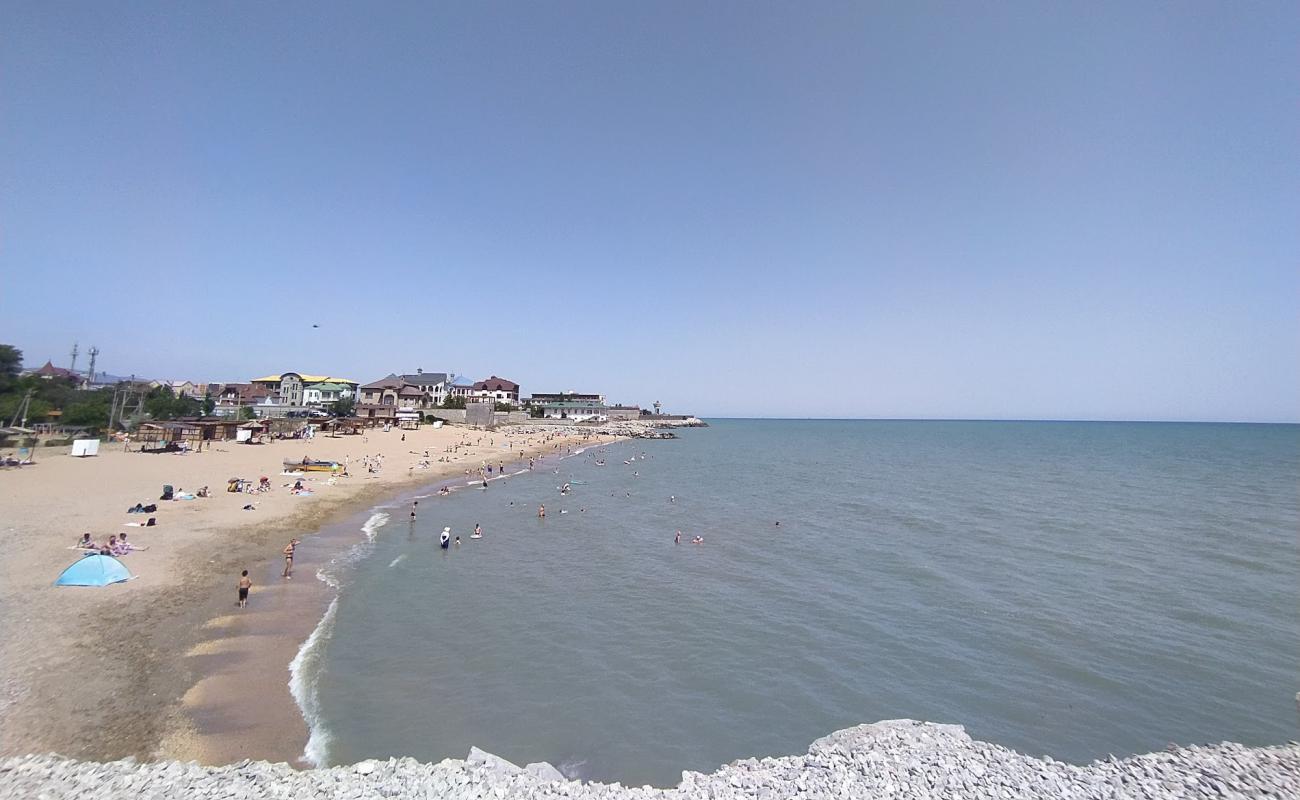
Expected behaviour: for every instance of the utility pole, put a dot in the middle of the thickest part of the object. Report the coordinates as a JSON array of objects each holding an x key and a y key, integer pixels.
[
  {"x": 73, "y": 368},
  {"x": 90, "y": 376},
  {"x": 20, "y": 413}
]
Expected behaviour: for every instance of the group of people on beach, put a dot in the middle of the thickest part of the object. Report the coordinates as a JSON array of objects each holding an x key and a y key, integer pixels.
[{"x": 117, "y": 545}]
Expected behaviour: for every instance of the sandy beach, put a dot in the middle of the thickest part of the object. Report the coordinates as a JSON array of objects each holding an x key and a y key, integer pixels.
[{"x": 166, "y": 665}]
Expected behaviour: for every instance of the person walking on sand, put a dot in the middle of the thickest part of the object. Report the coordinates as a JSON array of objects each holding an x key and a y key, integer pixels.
[
  {"x": 244, "y": 585},
  {"x": 288, "y": 558}
]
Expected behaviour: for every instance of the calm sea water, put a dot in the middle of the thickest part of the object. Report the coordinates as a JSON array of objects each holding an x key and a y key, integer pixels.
[{"x": 1072, "y": 589}]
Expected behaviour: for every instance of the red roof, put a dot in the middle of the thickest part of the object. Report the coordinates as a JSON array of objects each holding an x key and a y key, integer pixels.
[
  {"x": 51, "y": 371},
  {"x": 495, "y": 384}
]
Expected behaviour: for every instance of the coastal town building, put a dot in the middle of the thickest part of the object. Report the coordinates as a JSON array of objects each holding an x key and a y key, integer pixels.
[
  {"x": 396, "y": 399},
  {"x": 288, "y": 388},
  {"x": 434, "y": 385},
  {"x": 324, "y": 393},
  {"x": 489, "y": 390},
  {"x": 620, "y": 413},
  {"x": 574, "y": 410},
  {"x": 50, "y": 372},
  {"x": 541, "y": 398},
  {"x": 461, "y": 386},
  {"x": 496, "y": 389}
]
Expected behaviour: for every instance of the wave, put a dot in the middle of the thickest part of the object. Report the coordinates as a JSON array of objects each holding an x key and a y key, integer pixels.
[
  {"x": 304, "y": 671},
  {"x": 396, "y": 561},
  {"x": 377, "y": 520}
]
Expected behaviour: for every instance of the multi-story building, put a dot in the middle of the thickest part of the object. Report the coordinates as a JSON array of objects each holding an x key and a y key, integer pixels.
[
  {"x": 575, "y": 410},
  {"x": 289, "y": 389},
  {"x": 434, "y": 385},
  {"x": 498, "y": 390},
  {"x": 393, "y": 399},
  {"x": 324, "y": 393},
  {"x": 540, "y": 398}
]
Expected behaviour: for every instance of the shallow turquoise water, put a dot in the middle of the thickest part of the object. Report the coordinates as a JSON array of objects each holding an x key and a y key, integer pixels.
[{"x": 1074, "y": 589}]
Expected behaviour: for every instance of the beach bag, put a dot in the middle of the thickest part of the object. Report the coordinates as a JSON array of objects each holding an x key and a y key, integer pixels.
[
  {"x": 168, "y": 491},
  {"x": 149, "y": 509},
  {"x": 152, "y": 522}
]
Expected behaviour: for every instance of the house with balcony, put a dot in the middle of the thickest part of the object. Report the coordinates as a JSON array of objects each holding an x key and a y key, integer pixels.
[
  {"x": 392, "y": 399},
  {"x": 325, "y": 393},
  {"x": 435, "y": 385},
  {"x": 497, "y": 390}
]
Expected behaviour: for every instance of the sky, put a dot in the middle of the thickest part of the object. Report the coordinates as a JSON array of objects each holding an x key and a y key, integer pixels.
[{"x": 1012, "y": 210}]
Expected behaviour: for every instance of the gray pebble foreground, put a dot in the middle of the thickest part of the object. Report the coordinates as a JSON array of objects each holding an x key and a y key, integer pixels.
[{"x": 891, "y": 759}]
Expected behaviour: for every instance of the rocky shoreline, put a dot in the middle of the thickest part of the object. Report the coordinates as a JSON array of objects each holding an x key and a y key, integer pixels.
[
  {"x": 625, "y": 429},
  {"x": 894, "y": 759}
]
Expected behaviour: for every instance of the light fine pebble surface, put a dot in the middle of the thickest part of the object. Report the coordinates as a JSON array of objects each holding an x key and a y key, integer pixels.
[{"x": 891, "y": 759}]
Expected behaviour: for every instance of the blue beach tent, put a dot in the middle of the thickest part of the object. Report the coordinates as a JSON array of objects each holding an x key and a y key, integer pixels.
[{"x": 94, "y": 570}]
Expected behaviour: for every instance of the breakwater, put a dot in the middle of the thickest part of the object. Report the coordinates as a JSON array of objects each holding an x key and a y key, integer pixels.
[{"x": 895, "y": 759}]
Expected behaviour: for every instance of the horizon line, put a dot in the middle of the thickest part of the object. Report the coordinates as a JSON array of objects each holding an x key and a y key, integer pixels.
[{"x": 1008, "y": 419}]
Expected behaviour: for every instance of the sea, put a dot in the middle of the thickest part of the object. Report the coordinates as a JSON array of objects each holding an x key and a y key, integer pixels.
[{"x": 1069, "y": 589}]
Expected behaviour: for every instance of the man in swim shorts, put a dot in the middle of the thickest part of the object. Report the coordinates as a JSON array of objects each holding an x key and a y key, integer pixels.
[{"x": 244, "y": 585}]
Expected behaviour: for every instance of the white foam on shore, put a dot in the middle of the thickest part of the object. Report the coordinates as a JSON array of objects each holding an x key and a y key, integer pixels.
[
  {"x": 304, "y": 671},
  {"x": 377, "y": 520},
  {"x": 396, "y": 561}
]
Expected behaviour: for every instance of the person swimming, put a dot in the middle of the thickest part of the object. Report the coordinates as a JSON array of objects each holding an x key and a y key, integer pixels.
[{"x": 698, "y": 540}]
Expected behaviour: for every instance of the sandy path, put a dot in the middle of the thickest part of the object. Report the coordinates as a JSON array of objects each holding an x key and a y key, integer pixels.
[{"x": 154, "y": 665}]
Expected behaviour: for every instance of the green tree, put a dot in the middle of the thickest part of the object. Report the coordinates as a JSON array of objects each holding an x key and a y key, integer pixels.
[
  {"x": 343, "y": 407},
  {"x": 90, "y": 409},
  {"x": 247, "y": 412},
  {"x": 11, "y": 363},
  {"x": 503, "y": 407},
  {"x": 536, "y": 412},
  {"x": 162, "y": 403},
  {"x": 209, "y": 405},
  {"x": 453, "y": 402}
]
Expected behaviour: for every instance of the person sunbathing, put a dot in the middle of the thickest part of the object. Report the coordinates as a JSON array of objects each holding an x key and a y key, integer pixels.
[
  {"x": 127, "y": 547},
  {"x": 87, "y": 543}
]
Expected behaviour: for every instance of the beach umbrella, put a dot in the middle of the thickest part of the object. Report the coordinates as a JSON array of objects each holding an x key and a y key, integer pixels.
[{"x": 94, "y": 570}]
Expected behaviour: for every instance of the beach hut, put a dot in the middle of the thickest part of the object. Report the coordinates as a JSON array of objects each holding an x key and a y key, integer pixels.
[{"x": 94, "y": 570}]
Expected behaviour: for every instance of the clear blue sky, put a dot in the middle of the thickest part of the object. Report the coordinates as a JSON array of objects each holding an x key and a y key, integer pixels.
[{"x": 1022, "y": 209}]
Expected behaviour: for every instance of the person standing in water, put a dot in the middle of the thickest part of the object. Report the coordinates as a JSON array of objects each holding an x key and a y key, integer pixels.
[
  {"x": 478, "y": 531},
  {"x": 541, "y": 512},
  {"x": 244, "y": 585},
  {"x": 678, "y": 538},
  {"x": 288, "y": 558}
]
